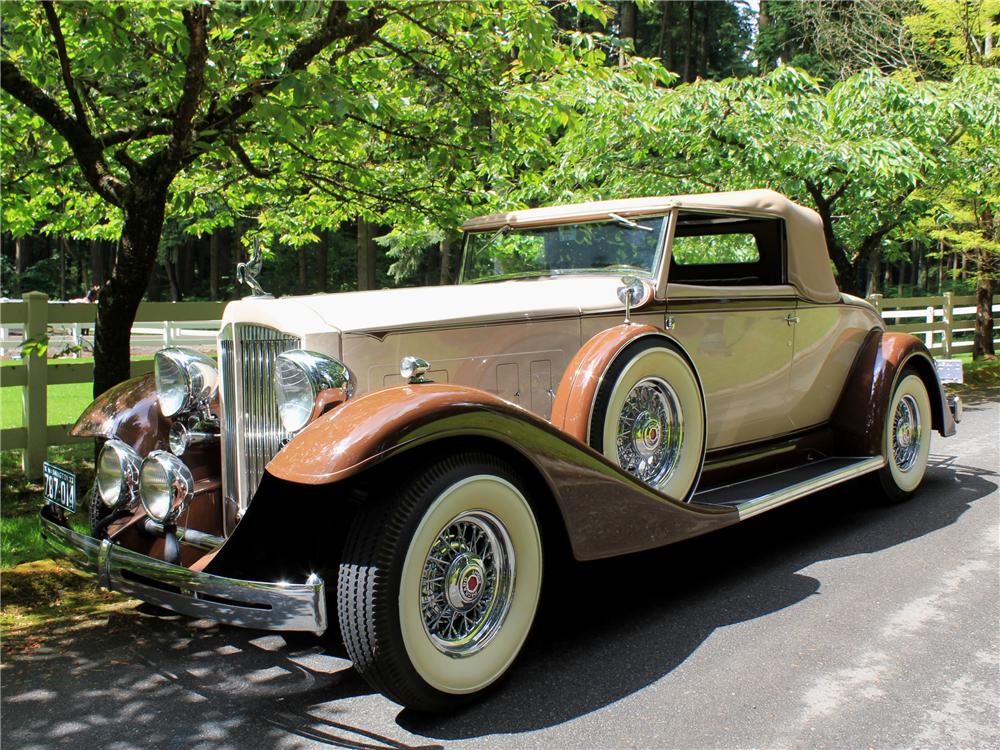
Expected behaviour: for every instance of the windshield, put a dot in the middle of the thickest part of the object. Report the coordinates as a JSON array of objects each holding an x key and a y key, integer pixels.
[{"x": 618, "y": 245}]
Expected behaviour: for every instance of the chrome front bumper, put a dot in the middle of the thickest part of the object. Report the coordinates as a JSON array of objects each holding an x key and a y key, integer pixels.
[{"x": 248, "y": 604}]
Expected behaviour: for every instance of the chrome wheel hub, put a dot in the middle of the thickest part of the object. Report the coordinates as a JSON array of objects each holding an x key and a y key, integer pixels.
[
  {"x": 467, "y": 583},
  {"x": 906, "y": 433},
  {"x": 650, "y": 431}
]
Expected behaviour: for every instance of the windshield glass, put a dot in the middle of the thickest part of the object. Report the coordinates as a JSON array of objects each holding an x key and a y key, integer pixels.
[{"x": 618, "y": 245}]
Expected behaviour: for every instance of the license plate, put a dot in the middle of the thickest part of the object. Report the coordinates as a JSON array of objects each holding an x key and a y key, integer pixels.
[{"x": 60, "y": 486}]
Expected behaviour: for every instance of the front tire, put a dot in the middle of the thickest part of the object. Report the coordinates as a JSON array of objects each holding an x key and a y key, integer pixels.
[
  {"x": 906, "y": 439},
  {"x": 438, "y": 586}
]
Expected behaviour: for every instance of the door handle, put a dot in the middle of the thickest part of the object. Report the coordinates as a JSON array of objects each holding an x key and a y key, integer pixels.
[{"x": 791, "y": 319}]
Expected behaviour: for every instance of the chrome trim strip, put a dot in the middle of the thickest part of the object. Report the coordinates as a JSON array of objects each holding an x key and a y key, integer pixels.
[
  {"x": 248, "y": 604},
  {"x": 794, "y": 492}
]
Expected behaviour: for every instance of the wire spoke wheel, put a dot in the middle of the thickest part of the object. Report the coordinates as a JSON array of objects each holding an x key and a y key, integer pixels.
[
  {"x": 466, "y": 584},
  {"x": 906, "y": 433},
  {"x": 650, "y": 431}
]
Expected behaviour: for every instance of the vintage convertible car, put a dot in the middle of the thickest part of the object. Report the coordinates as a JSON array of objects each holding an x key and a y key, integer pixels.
[{"x": 606, "y": 377}]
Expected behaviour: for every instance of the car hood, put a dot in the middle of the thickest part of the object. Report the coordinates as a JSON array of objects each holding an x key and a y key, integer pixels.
[{"x": 388, "y": 309}]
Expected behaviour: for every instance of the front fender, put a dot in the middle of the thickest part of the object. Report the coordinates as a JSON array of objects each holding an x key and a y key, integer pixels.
[
  {"x": 130, "y": 411},
  {"x": 860, "y": 413},
  {"x": 605, "y": 510}
]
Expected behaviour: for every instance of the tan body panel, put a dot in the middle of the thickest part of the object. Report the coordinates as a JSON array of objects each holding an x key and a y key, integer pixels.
[
  {"x": 605, "y": 510},
  {"x": 519, "y": 361},
  {"x": 741, "y": 347},
  {"x": 827, "y": 341}
]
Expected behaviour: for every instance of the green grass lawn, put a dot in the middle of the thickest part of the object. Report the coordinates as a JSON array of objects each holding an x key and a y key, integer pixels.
[{"x": 20, "y": 499}]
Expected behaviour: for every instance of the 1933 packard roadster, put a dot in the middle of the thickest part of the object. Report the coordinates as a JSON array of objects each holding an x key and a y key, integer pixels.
[{"x": 606, "y": 377}]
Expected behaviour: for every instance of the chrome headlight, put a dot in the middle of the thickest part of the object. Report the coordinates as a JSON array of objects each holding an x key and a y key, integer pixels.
[
  {"x": 299, "y": 377},
  {"x": 165, "y": 485},
  {"x": 184, "y": 379},
  {"x": 118, "y": 474}
]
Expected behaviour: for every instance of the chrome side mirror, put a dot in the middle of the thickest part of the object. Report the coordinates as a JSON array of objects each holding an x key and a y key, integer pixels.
[{"x": 629, "y": 294}]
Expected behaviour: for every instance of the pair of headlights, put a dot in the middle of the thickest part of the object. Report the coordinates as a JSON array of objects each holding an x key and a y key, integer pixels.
[
  {"x": 187, "y": 380},
  {"x": 161, "y": 481}
]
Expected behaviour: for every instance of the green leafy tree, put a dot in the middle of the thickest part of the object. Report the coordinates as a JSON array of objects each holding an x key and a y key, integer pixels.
[
  {"x": 857, "y": 152},
  {"x": 294, "y": 116}
]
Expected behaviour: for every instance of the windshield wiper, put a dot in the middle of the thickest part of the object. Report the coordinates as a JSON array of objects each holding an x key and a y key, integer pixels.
[{"x": 629, "y": 223}]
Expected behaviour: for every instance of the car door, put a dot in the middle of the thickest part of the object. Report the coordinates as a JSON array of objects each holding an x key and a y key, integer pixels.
[{"x": 728, "y": 305}]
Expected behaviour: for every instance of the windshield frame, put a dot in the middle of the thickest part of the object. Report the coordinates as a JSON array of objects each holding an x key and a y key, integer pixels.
[{"x": 664, "y": 217}]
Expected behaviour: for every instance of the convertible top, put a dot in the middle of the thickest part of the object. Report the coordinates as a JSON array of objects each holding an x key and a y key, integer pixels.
[{"x": 809, "y": 268}]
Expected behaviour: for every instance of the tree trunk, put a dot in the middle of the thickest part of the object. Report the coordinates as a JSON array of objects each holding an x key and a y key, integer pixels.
[
  {"x": 982, "y": 345},
  {"x": 323, "y": 260},
  {"x": 214, "y": 264},
  {"x": 666, "y": 23},
  {"x": 97, "y": 274},
  {"x": 873, "y": 271},
  {"x": 303, "y": 271},
  {"x": 121, "y": 294},
  {"x": 19, "y": 265},
  {"x": 689, "y": 43},
  {"x": 445, "y": 247},
  {"x": 763, "y": 22},
  {"x": 628, "y": 17},
  {"x": 703, "y": 33},
  {"x": 366, "y": 256},
  {"x": 63, "y": 250}
]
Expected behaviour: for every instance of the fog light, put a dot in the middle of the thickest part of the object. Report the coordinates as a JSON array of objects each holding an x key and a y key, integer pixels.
[
  {"x": 118, "y": 474},
  {"x": 165, "y": 485}
]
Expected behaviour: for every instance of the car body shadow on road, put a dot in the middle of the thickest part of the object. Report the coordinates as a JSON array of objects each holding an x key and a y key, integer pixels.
[{"x": 607, "y": 630}]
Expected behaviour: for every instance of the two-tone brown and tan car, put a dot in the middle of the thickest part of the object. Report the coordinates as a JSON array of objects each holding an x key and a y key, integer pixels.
[{"x": 606, "y": 377}]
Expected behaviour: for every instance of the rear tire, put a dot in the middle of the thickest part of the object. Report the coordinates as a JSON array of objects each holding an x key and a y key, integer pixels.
[
  {"x": 438, "y": 586},
  {"x": 906, "y": 438}
]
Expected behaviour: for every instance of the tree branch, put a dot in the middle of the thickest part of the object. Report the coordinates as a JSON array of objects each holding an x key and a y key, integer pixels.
[
  {"x": 243, "y": 158},
  {"x": 194, "y": 74},
  {"x": 67, "y": 75},
  {"x": 335, "y": 26},
  {"x": 86, "y": 148}
]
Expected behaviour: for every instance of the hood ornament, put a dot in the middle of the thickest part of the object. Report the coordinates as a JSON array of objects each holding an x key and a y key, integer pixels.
[{"x": 246, "y": 273}]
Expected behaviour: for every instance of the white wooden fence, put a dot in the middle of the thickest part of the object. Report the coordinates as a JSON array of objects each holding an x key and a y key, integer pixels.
[
  {"x": 946, "y": 322},
  {"x": 37, "y": 318}
]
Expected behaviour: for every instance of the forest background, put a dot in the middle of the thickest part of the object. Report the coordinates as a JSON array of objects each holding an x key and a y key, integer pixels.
[{"x": 145, "y": 146}]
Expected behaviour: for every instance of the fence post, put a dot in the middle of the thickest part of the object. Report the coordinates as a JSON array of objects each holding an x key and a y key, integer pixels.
[
  {"x": 34, "y": 393},
  {"x": 949, "y": 321}
]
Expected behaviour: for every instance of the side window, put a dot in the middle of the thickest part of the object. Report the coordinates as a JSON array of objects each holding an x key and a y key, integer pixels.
[
  {"x": 715, "y": 248},
  {"x": 721, "y": 250}
]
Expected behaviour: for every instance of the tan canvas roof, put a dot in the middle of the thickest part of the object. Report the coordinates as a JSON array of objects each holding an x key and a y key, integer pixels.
[{"x": 809, "y": 267}]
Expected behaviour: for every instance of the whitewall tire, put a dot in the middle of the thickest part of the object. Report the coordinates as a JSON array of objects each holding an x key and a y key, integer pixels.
[{"x": 438, "y": 588}]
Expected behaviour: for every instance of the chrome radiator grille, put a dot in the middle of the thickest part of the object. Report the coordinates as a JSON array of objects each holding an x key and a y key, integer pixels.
[{"x": 251, "y": 428}]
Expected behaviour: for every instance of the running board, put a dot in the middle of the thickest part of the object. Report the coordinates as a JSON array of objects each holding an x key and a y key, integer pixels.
[{"x": 760, "y": 494}]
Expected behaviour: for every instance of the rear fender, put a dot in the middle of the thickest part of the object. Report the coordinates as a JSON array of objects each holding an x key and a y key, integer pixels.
[
  {"x": 861, "y": 410},
  {"x": 605, "y": 511}
]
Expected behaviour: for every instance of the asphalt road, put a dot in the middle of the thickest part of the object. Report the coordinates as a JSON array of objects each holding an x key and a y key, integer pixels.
[{"x": 833, "y": 622}]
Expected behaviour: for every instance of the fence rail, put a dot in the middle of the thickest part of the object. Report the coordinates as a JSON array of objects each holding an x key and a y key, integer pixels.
[
  {"x": 946, "y": 321},
  {"x": 36, "y": 314}
]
